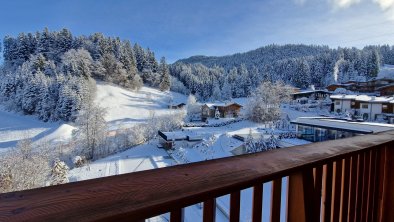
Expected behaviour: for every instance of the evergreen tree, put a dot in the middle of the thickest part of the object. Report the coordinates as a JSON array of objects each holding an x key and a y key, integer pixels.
[
  {"x": 59, "y": 172},
  {"x": 164, "y": 72}
]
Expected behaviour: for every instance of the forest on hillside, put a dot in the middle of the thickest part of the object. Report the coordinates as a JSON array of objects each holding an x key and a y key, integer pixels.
[
  {"x": 298, "y": 65},
  {"x": 51, "y": 74}
]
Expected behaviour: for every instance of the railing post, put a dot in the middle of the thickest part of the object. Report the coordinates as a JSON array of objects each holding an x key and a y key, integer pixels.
[
  {"x": 386, "y": 193},
  {"x": 301, "y": 197},
  {"x": 276, "y": 199},
  {"x": 177, "y": 215}
]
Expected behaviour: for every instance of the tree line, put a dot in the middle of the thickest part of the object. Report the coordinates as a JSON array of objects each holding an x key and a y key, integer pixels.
[{"x": 222, "y": 78}]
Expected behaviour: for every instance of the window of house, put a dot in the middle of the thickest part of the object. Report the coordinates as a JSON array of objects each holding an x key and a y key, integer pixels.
[
  {"x": 385, "y": 107},
  {"x": 337, "y": 103},
  {"x": 364, "y": 106},
  {"x": 353, "y": 103}
]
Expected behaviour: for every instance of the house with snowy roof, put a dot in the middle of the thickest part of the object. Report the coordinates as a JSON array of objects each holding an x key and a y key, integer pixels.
[
  {"x": 311, "y": 94},
  {"x": 318, "y": 129},
  {"x": 377, "y": 86},
  {"x": 220, "y": 110},
  {"x": 184, "y": 138},
  {"x": 368, "y": 107}
]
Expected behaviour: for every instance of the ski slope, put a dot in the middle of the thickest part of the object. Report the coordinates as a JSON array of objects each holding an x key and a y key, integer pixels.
[{"x": 126, "y": 108}]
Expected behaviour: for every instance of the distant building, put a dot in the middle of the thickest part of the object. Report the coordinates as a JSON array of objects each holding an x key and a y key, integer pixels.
[
  {"x": 225, "y": 110},
  {"x": 387, "y": 90},
  {"x": 317, "y": 129},
  {"x": 374, "y": 86},
  {"x": 177, "y": 106},
  {"x": 185, "y": 139},
  {"x": 304, "y": 95},
  {"x": 368, "y": 107}
]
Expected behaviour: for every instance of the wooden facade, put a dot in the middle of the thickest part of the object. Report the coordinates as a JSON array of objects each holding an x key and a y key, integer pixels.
[
  {"x": 386, "y": 90},
  {"x": 383, "y": 86},
  {"x": 177, "y": 106},
  {"x": 343, "y": 180},
  {"x": 316, "y": 95},
  {"x": 229, "y": 110}
]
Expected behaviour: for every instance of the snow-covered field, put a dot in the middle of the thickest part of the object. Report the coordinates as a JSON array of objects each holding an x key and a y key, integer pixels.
[
  {"x": 15, "y": 127},
  {"x": 126, "y": 108}
]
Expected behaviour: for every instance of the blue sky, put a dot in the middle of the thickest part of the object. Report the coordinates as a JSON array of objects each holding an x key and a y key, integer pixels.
[{"x": 182, "y": 28}]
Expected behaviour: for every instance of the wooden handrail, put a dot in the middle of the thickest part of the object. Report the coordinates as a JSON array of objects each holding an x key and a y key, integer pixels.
[{"x": 140, "y": 195}]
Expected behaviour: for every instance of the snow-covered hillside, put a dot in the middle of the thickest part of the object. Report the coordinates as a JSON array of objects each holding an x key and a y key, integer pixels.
[
  {"x": 125, "y": 108},
  {"x": 15, "y": 127}
]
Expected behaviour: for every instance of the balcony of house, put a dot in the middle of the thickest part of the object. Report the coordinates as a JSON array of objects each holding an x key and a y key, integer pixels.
[{"x": 341, "y": 180}]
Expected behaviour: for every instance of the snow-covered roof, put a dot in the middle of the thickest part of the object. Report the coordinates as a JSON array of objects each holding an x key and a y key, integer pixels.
[
  {"x": 211, "y": 105},
  {"x": 289, "y": 142},
  {"x": 359, "y": 127},
  {"x": 310, "y": 91},
  {"x": 180, "y": 135},
  {"x": 364, "y": 98}
]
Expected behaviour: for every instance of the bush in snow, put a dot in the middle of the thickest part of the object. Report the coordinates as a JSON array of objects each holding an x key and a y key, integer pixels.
[
  {"x": 59, "y": 172},
  {"x": 193, "y": 108},
  {"x": 79, "y": 161},
  {"x": 23, "y": 168},
  {"x": 264, "y": 104}
]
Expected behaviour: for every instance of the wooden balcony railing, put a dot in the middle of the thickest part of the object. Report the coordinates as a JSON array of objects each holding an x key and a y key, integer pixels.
[{"x": 343, "y": 180}]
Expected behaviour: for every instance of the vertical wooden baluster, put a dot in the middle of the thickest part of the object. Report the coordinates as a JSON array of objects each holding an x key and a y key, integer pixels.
[
  {"x": 177, "y": 215},
  {"x": 257, "y": 203},
  {"x": 387, "y": 205},
  {"x": 352, "y": 188},
  {"x": 375, "y": 203},
  {"x": 301, "y": 197},
  {"x": 235, "y": 205},
  {"x": 276, "y": 199},
  {"x": 360, "y": 177},
  {"x": 382, "y": 164},
  {"x": 327, "y": 192},
  {"x": 345, "y": 189},
  {"x": 366, "y": 182},
  {"x": 318, "y": 179},
  {"x": 336, "y": 189},
  {"x": 209, "y": 214},
  {"x": 373, "y": 196}
]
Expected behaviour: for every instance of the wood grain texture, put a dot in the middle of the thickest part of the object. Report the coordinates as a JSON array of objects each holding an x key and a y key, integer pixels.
[
  {"x": 301, "y": 197},
  {"x": 149, "y": 193}
]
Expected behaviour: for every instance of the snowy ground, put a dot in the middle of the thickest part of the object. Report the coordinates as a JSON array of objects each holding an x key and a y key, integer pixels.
[
  {"x": 15, "y": 127},
  {"x": 126, "y": 108}
]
